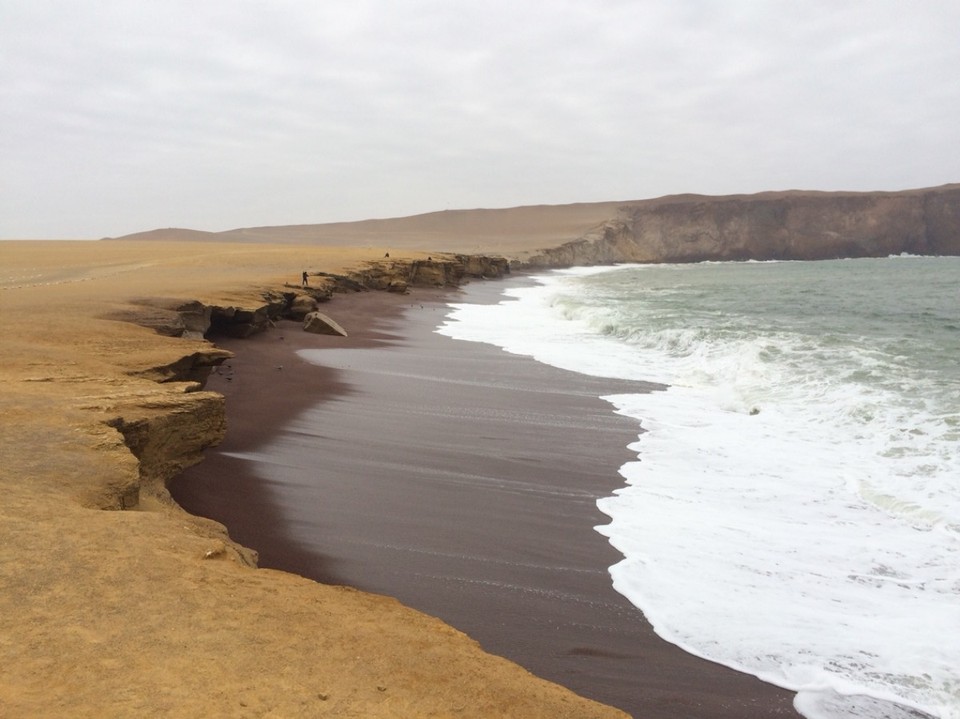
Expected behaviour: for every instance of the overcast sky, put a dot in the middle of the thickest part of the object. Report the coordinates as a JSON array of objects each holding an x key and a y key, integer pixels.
[{"x": 118, "y": 115}]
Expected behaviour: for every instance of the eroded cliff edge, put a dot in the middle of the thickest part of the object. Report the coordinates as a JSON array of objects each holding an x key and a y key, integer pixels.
[
  {"x": 768, "y": 226},
  {"x": 169, "y": 434}
]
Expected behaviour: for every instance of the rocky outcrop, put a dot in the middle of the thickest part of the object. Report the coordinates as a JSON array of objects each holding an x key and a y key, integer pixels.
[
  {"x": 300, "y": 306},
  {"x": 170, "y": 317},
  {"x": 320, "y": 324},
  {"x": 168, "y": 434},
  {"x": 439, "y": 271},
  {"x": 483, "y": 266},
  {"x": 239, "y": 321},
  {"x": 193, "y": 368},
  {"x": 191, "y": 319},
  {"x": 769, "y": 226}
]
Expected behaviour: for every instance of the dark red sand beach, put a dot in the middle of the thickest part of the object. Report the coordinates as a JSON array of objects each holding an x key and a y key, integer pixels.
[{"x": 461, "y": 480}]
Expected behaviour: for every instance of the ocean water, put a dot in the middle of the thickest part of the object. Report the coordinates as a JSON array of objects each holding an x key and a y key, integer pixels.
[{"x": 794, "y": 508}]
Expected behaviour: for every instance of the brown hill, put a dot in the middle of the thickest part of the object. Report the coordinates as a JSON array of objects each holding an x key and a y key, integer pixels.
[
  {"x": 508, "y": 231},
  {"x": 793, "y": 224}
]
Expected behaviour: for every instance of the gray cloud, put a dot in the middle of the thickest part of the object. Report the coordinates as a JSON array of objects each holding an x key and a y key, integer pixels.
[{"x": 117, "y": 117}]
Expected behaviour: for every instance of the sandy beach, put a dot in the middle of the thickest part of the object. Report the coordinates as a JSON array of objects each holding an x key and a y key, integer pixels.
[{"x": 459, "y": 479}]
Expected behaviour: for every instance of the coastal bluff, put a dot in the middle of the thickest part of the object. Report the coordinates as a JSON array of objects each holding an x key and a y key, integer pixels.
[{"x": 770, "y": 226}]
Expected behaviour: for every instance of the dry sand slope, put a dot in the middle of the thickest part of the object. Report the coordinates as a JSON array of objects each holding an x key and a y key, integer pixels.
[{"x": 153, "y": 612}]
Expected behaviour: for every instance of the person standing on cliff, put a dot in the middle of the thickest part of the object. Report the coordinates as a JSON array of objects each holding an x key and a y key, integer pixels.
[{"x": 303, "y": 279}]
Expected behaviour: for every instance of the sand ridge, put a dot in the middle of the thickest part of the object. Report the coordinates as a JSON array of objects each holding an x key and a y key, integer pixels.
[{"x": 155, "y": 612}]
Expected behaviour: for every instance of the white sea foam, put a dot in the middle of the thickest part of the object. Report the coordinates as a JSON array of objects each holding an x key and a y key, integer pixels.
[{"x": 794, "y": 511}]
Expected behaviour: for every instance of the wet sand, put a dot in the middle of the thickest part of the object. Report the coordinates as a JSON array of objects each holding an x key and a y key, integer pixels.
[{"x": 459, "y": 479}]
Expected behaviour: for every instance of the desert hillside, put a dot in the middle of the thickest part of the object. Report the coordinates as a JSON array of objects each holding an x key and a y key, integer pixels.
[{"x": 771, "y": 225}]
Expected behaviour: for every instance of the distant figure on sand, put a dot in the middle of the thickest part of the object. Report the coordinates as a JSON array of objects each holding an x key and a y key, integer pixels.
[{"x": 303, "y": 279}]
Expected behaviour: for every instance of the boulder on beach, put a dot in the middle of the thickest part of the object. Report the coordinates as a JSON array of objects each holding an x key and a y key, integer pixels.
[{"x": 320, "y": 324}]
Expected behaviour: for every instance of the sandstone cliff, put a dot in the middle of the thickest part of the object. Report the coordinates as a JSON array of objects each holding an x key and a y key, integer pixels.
[{"x": 767, "y": 226}]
